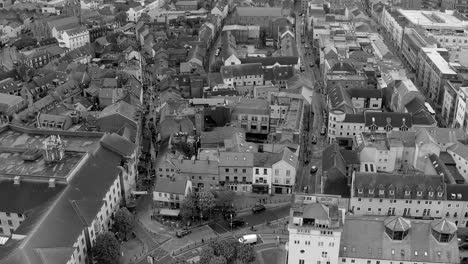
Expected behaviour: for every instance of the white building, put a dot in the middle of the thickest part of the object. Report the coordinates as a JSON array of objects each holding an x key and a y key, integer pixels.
[
  {"x": 134, "y": 13},
  {"x": 320, "y": 233},
  {"x": 284, "y": 172},
  {"x": 262, "y": 171},
  {"x": 75, "y": 38},
  {"x": 461, "y": 112}
]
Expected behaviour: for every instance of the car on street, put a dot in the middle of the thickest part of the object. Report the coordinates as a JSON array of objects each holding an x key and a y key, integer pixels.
[
  {"x": 314, "y": 139},
  {"x": 248, "y": 239},
  {"x": 258, "y": 208},
  {"x": 237, "y": 222},
  {"x": 323, "y": 131},
  {"x": 183, "y": 233},
  {"x": 313, "y": 169},
  {"x": 218, "y": 51}
]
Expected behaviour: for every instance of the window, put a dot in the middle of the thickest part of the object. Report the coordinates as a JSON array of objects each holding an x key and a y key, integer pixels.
[
  {"x": 276, "y": 172},
  {"x": 324, "y": 254},
  {"x": 301, "y": 261},
  {"x": 264, "y": 171},
  {"x": 226, "y": 170},
  {"x": 10, "y": 223},
  {"x": 244, "y": 170},
  {"x": 288, "y": 173}
]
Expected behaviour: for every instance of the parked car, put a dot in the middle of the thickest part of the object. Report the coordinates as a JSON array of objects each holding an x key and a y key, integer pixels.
[
  {"x": 236, "y": 222},
  {"x": 323, "y": 131},
  {"x": 249, "y": 239},
  {"x": 258, "y": 208},
  {"x": 313, "y": 169},
  {"x": 183, "y": 233},
  {"x": 218, "y": 51},
  {"x": 314, "y": 139}
]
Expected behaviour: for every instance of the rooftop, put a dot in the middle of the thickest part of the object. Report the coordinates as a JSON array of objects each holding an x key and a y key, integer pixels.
[
  {"x": 365, "y": 238},
  {"x": 170, "y": 186},
  {"x": 438, "y": 61},
  {"x": 433, "y": 19},
  {"x": 259, "y": 11}
]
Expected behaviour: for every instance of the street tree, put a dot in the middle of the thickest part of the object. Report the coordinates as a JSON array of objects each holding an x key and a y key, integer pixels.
[
  {"x": 245, "y": 253},
  {"x": 106, "y": 249},
  {"x": 188, "y": 207},
  {"x": 124, "y": 221},
  {"x": 206, "y": 202},
  {"x": 206, "y": 255},
  {"x": 26, "y": 72},
  {"x": 145, "y": 18},
  {"x": 218, "y": 260},
  {"x": 226, "y": 249}
]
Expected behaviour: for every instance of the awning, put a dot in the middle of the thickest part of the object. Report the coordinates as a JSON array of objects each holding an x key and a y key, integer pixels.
[{"x": 169, "y": 212}]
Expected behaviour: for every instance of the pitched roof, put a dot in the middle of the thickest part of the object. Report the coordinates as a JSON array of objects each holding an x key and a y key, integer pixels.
[
  {"x": 232, "y": 71},
  {"x": 381, "y": 119},
  {"x": 266, "y": 160},
  {"x": 340, "y": 99},
  {"x": 8, "y": 85},
  {"x": 365, "y": 93},
  {"x": 259, "y": 11},
  {"x": 61, "y": 225},
  {"x": 270, "y": 61},
  {"x": 118, "y": 144},
  {"x": 170, "y": 186},
  {"x": 290, "y": 157},
  {"x": 198, "y": 166},
  {"x": 399, "y": 183},
  {"x": 236, "y": 159},
  {"x": 457, "y": 192},
  {"x": 365, "y": 238}
]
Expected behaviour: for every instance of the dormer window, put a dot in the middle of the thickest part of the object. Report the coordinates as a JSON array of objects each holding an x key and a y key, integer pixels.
[
  {"x": 431, "y": 194},
  {"x": 381, "y": 192},
  {"x": 392, "y": 192},
  {"x": 360, "y": 191},
  {"x": 388, "y": 128},
  {"x": 371, "y": 191},
  {"x": 439, "y": 194},
  {"x": 373, "y": 127},
  {"x": 419, "y": 193},
  {"x": 407, "y": 193}
]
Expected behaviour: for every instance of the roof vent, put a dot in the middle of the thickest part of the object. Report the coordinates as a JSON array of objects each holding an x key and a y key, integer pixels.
[
  {"x": 17, "y": 180},
  {"x": 459, "y": 196},
  {"x": 51, "y": 183},
  {"x": 453, "y": 196}
]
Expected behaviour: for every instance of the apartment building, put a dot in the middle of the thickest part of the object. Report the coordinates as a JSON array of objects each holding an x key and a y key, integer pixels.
[
  {"x": 261, "y": 16},
  {"x": 75, "y": 38},
  {"x": 284, "y": 172},
  {"x": 320, "y": 233},
  {"x": 413, "y": 40},
  {"x": 235, "y": 170},
  {"x": 314, "y": 233},
  {"x": 262, "y": 171},
  {"x": 252, "y": 115},
  {"x": 81, "y": 208},
  {"x": 449, "y": 104},
  {"x": 134, "y": 13},
  {"x": 394, "y": 24},
  {"x": 169, "y": 193},
  {"x": 433, "y": 72},
  {"x": 243, "y": 74},
  {"x": 450, "y": 38},
  {"x": 388, "y": 152},
  {"x": 408, "y": 195},
  {"x": 202, "y": 173},
  {"x": 461, "y": 111},
  {"x": 343, "y": 127}
]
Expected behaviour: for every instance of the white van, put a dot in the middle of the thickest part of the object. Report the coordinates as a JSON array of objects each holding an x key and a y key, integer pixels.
[{"x": 249, "y": 239}]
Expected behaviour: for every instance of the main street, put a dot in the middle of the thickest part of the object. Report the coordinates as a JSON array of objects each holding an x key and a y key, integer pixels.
[{"x": 311, "y": 154}]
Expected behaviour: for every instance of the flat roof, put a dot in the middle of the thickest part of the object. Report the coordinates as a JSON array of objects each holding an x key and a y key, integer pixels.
[
  {"x": 433, "y": 19},
  {"x": 438, "y": 60},
  {"x": 74, "y": 141}
]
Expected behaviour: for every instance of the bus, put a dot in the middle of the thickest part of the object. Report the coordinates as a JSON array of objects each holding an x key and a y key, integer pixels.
[{"x": 429, "y": 109}]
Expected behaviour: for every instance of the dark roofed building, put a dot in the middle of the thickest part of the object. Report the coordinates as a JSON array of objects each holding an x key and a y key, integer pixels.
[
  {"x": 243, "y": 74},
  {"x": 269, "y": 62}
]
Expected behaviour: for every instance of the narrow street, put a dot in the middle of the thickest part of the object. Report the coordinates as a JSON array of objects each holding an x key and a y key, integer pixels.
[{"x": 312, "y": 153}]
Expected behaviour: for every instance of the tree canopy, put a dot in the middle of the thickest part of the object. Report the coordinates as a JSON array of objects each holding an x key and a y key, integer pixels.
[
  {"x": 220, "y": 252},
  {"x": 106, "y": 249},
  {"x": 124, "y": 221}
]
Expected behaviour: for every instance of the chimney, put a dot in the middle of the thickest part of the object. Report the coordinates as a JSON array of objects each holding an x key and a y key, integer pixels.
[
  {"x": 51, "y": 183},
  {"x": 17, "y": 180}
]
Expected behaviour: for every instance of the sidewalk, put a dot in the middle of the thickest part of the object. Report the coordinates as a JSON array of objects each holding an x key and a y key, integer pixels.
[
  {"x": 249, "y": 200},
  {"x": 159, "y": 232}
]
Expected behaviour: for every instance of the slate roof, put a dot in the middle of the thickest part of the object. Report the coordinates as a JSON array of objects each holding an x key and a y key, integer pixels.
[
  {"x": 354, "y": 118},
  {"x": 241, "y": 70},
  {"x": 259, "y": 11},
  {"x": 118, "y": 144},
  {"x": 459, "y": 149},
  {"x": 343, "y": 66},
  {"x": 364, "y": 93},
  {"x": 26, "y": 196},
  {"x": 365, "y": 238},
  {"x": 415, "y": 106},
  {"x": 340, "y": 99},
  {"x": 399, "y": 183},
  {"x": 236, "y": 159},
  {"x": 170, "y": 186},
  {"x": 266, "y": 160},
  {"x": 8, "y": 85},
  {"x": 199, "y": 167},
  {"x": 408, "y": 138},
  {"x": 381, "y": 119},
  {"x": 270, "y": 61},
  {"x": 290, "y": 158},
  {"x": 457, "y": 192},
  {"x": 60, "y": 226}
]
